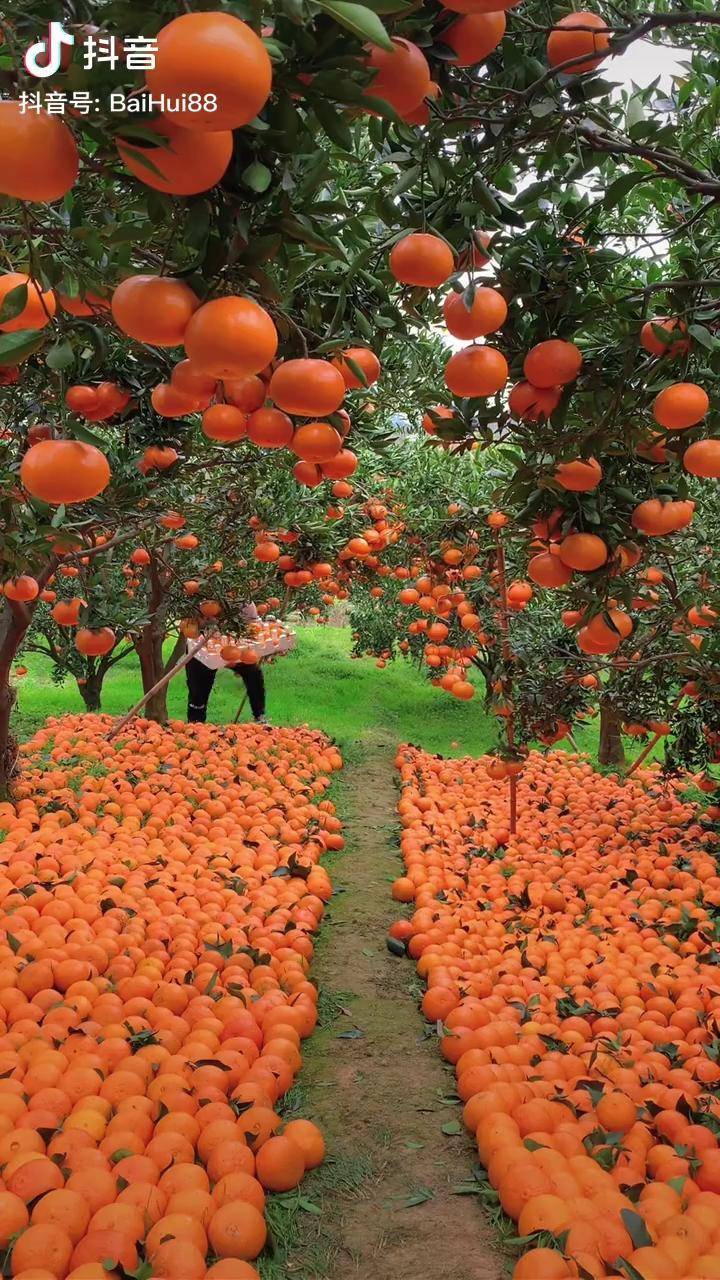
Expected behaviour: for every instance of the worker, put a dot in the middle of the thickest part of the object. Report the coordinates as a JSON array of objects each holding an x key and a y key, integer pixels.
[{"x": 200, "y": 674}]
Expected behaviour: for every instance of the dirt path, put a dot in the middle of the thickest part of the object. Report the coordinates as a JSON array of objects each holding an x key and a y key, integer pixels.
[{"x": 376, "y": 1084}]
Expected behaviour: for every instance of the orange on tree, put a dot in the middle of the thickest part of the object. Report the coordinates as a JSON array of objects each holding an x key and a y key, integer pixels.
[{"x": 217, "y": 57}]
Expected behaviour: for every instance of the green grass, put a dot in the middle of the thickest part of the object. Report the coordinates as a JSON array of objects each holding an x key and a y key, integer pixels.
[{"x": 318, "y": 684}]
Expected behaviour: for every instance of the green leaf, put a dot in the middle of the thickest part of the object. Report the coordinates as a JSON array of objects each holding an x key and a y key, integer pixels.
[
  {"x": 15, "y": 346},
  {"x": 13, "y": 943},
  {"x": 620, "y": 188},
  {"x": 356, "y": 369},
  {"x": 703, "y": 336},
  {"x": 257, "y": 177},
  {"x": 81, "y": 432},
  {"x": 635, "y": 113},
  {"x": 406, "y": 180},
  {"x": 60, "y": 356},
  {"x": 485, "y": 197},
  {"x": 333, "y": 123},
  {"x": 308, "y": 1207},
  {"x": 628, "y": 1269},
  {"x": 387, "y": 6},
  {"x": 452, "y": 1128},
  {"x": 420, "y": 1196},
  {"x": 635, "y": 1226},
  {"x": 197, "y": 225},
  {"x": 13, "y": 303},
  {"x": 141, "y": 157},
  {"x": 361, "y": 21}
]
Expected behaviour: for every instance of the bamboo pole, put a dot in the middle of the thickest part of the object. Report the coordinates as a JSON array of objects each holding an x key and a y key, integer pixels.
[
  {"x": 179, "y": 666},
  {"x": 653, "y": 741},
  {"x": 243, "y": 704},
  {"x": 507, "y": 655}
]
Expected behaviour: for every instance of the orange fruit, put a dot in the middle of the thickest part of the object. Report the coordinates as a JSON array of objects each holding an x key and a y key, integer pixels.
[{"x": 219, "y": 59}]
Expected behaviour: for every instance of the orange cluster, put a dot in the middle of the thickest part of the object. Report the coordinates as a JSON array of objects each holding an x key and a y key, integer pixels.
[
  {"x": 573, "y": 974},
  {"x": 158, "y": 899}
]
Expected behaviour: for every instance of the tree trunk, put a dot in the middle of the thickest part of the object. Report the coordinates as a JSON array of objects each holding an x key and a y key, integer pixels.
[
  {"x": 152, "y": 668},
  {"x": 611, "y": 749},
  {"x": 91, "y": 690},
  {"x": 8, "y": 745},
  {"x": 149, "y": 644},
  {"x": 14, "y": 622}
]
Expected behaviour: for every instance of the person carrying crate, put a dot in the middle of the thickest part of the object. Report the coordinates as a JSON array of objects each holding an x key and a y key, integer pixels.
[{"x": 201, "y": 670}]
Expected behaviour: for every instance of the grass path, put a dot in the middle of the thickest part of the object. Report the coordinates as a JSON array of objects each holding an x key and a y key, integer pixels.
[{"x": 376, "y": 1083}]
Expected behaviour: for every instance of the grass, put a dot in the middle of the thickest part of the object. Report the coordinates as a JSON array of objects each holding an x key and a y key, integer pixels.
[{"x": 318, "y": 684}]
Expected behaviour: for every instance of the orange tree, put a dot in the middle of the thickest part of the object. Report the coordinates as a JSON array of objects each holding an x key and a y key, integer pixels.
[
  {"x": 271, "y": 211},
  {"x": 181, "y": 574},
  {"x": 653, "y": 648}
]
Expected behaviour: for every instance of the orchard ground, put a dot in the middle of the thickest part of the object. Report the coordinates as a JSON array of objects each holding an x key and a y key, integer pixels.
[{"x": 390, "y": 1188}]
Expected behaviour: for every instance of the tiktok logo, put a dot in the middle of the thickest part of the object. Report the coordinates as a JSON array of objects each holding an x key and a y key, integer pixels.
[{"x": 45, "y": 57}]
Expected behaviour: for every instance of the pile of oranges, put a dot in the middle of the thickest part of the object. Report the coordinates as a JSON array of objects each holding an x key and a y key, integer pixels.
[
  {"x": 572, "y": 972},
  {"x": 158, "y": 900}
]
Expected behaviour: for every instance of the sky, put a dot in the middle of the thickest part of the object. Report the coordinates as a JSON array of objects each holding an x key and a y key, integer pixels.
[{"x": 642, "y": 62}]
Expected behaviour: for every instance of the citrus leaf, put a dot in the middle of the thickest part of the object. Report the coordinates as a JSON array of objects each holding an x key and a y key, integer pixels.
[
  {"x": 257, "y": 177},
  {"x": 13, "y": 303},
  {"x": 620, "y": 188},
  {"x": 635, "y": 1226},
  {"x": 703, "y": 336},
  {"x": 60, "y": 356},
  {"x": 19, "y": 344},
  {"x": 334, "y": 124},
  {"x": 361, "y": 21}
]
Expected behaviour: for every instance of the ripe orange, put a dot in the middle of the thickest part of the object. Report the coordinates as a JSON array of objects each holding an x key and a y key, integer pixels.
[
  {"x": 703, "y": 459},
  {"x": 38, "y": 155},
  {"x": 655, "y": 345},
  {"x": 475, "y": 36},
  {"x": 309, "y": 1139},
  {"x": 579, "y": 476},
  {"x": 343, "y": 464},
  {"x": 212, "y": 54},
  {"x": 316, "y": 442},
  {"x": 168, "y": 402},
  {"x": 39, "y": 307},
  {"x": 280, "y": 1164},
  {"x": 549, "y": 571},
  {"x": 230, "y": 337},
  {"x": 576, "y": 35},
  {"x": 486, "y": 313},
  {"x": 270, "y": 428},
  {"x": 309, "y": 388},
  {"x": 225, "y": 423},
  {"x": 402, "y": 77},
  {"x": 180, "y": 165},
  {"x": 533, "y": 404},
  {"x": 583, "y": 551},
  {"x": 94, "y": 643},
  {"x": 552, "y": 363},
  {"x": 153, "y": 309},
  {"x": 680, "y": 406},
  {"x": 64, "y": 471},
  {"x": 237, "y": 1230},
  {"x": 365, "y": 359},
  {"x": 476, "y": 371},
  {"x": 422, "y": 259}
]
